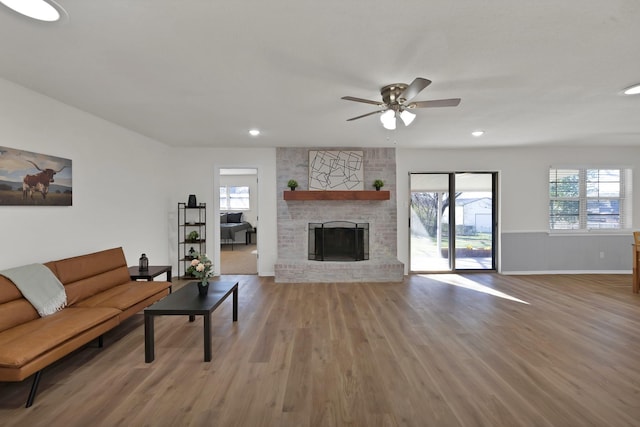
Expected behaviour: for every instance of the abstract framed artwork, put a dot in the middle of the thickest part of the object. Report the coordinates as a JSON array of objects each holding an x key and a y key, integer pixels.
[
  {"x": 34, "y": 179},
  {"x": 336, "y": 170}
]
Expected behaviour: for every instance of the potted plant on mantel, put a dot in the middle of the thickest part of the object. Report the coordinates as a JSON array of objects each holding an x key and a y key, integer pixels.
[
  {"x": 378, "y": 183},
  {"x": 292, "y": 184}
]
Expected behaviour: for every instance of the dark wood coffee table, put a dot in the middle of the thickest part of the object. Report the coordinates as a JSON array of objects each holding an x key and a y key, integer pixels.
[{"x": 186, "y": 302}]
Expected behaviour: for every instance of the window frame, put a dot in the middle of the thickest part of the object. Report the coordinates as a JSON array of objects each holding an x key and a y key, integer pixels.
[
  {"x": 228, "y": 207},
  {"x": 623, "y": 199}
]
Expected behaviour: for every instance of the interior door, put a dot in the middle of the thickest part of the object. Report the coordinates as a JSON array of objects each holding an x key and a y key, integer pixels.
[
  {"x": 452, "y": 221},
  {"x": 238, "y": 194}
]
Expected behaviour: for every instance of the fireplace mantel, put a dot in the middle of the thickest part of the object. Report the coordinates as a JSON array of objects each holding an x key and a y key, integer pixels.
[{"x": 337, "y": 195}]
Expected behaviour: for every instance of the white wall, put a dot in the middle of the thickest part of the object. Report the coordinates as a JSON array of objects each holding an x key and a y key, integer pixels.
[
  {"x": 523, "y": 199},
  {"x": 126, "y": 189},
  {"x": 119, "y": 185},
  {"x": 198, "y": 172}
]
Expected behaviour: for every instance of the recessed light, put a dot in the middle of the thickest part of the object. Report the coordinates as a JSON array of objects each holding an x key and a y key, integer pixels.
[
  {"x": 42, "y": 10},
  {"x": 254, "y": 132},
  {"x": 477, "y": 133},
  {"x": 633, "y": 90}
]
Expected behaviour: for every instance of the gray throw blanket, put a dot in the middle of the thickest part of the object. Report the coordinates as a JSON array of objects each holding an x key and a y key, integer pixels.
[{"x": 39, "y": 286}]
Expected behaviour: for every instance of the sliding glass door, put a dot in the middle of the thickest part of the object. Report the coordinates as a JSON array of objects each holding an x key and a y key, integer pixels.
[{"x": 452, "y": 221}]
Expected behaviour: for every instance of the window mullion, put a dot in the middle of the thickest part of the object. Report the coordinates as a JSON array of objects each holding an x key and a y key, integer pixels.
[{"x": 582, "y": 188}]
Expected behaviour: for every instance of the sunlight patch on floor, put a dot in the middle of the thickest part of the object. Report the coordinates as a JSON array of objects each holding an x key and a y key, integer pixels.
[{"x": 464, "y": 282}]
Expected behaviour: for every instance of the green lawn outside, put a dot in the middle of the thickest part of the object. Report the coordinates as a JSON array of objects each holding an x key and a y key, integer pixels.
[{"x": 477, "y": 241}]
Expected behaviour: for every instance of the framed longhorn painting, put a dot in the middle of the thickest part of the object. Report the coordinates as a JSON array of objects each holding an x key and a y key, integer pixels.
[{"x": 34, "y": 179}]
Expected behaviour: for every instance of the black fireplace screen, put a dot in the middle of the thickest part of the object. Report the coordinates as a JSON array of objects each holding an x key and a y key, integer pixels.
[{"x": 338, "y": 241}]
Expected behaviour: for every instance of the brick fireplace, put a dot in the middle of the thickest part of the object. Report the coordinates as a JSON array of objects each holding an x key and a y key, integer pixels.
[{"x": 294, "y": 217}]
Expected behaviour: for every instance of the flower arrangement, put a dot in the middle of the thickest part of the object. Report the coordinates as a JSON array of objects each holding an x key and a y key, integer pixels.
[
  {"x": 202, "y": 268},
  {"x": 378, "y": 183},
  {"x": 292, "y": 184}
]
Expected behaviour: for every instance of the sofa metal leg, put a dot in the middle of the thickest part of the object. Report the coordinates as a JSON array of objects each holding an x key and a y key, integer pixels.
[
  {"x": 100, "y": 341},
  {"x": 34, "y": 388}
]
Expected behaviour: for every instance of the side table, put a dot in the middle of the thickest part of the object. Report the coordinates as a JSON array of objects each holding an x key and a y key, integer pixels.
[
  {"x": 248, "y": 234},
  {"x": 150, "y": 273}
]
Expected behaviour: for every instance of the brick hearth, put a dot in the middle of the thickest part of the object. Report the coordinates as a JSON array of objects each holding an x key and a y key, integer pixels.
[{"x": 295, "y": 215}]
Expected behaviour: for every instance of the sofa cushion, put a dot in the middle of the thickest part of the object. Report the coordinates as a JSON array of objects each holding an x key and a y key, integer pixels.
[
  {"x": 8, "y": 291},
  {"x": 16, "y": 312},
  {"x": 14, "y": 309},
  {"x": 77, "y": 268},
  {"x": 86, "y": 275},
  {"x": 25, "y": 342},
  {"x": 234, "y": 217},
  {"x": 86, "y": 288},
  {"x": 124, "y": 296}
]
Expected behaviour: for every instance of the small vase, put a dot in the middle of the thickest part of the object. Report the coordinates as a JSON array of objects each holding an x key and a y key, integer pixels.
[
  {"x": 292, "y": 188},
  {"x": 203, "y": 288},
  {"x": 378, "y": 188}
]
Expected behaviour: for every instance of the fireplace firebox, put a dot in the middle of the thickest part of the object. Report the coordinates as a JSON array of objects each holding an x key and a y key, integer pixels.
[{"x": 339, "y": 241}]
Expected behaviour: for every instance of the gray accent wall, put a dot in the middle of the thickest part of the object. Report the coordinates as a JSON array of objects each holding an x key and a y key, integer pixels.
[{"x": 540, "y": 252}]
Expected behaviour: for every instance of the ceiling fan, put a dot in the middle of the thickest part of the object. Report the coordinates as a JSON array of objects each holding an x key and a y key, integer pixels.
[{"x": 396, "y": 102}]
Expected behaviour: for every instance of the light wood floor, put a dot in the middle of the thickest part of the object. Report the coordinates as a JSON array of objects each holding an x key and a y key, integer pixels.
[
  {"x": 440, "y": 350},
  {"x": 238, "y": 259}
]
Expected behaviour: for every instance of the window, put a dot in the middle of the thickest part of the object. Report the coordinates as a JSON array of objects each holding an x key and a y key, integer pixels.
[
  {"x": 586, "y": 199},
  {"x": 234, "y": 198}
]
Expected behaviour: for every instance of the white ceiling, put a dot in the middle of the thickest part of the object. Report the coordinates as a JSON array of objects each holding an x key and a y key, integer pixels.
[{"x": 203, "y": 72}]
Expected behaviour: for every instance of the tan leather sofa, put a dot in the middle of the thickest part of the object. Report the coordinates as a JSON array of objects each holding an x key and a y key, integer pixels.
[{"x": 100, "y": 294}]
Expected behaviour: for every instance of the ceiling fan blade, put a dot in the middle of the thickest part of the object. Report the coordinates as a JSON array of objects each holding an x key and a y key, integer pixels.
[
  {"x": 414, "y": 88},
  {"x": 366, "y": 101},
  {"x": 365, "y": 115},
  {"x": 453, "y": 102}
]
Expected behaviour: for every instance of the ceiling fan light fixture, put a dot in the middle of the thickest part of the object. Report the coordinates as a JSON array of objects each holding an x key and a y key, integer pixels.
[
  {"x": 407, "y": 117},
  {"x": 388, "y": 119},
  {"x": 397, "y": 101},
  {"x": 633, "y": 90},
  {"x": 41, "y": 10}
]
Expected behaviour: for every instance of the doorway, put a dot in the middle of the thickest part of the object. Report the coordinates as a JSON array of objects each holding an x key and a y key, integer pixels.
[
  {"x": 453, "y": 221},
  {"x": 238, "y": 201}
]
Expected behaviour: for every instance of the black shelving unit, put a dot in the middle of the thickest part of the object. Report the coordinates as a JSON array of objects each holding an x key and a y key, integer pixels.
[{"x": 190, "y": 219}]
